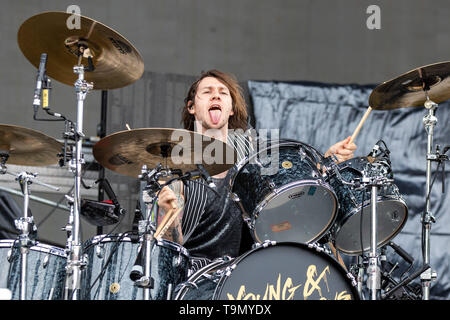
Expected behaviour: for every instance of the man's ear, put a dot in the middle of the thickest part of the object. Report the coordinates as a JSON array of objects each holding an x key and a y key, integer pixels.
[{"x": 190, "y": 106}]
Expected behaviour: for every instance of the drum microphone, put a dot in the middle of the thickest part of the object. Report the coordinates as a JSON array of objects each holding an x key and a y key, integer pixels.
[
  {"x": 137, "y": 272},
  {"x": 206, "y": 175},
  {"x": 201, "y": 172},
  {"x": 39, "y": 81},
  {"x": 402, "y": 253}
]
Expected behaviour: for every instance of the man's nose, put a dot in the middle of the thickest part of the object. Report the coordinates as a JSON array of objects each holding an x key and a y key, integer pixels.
[{"x": 215, "y": 95}]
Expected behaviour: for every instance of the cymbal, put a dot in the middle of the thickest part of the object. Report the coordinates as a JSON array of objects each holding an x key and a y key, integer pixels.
[
  {"x": 407, "y": 90},
  {"x": 117, "y": 63},
  {"x": 125, "y": 152},
  {"x": 28, "y": 147}
]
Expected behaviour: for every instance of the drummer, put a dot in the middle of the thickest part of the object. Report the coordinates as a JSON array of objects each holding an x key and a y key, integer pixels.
[{"x": 210, "y": 225}]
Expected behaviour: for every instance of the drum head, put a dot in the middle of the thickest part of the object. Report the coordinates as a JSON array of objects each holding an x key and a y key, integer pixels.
[
  {"x": 302, "y": 213},
  {"x": 286, "y": 271},
  {"x": 391, "y": 217}
]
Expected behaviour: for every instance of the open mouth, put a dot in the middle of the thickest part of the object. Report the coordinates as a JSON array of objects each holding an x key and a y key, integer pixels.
[{"x": 215, "y": 111}]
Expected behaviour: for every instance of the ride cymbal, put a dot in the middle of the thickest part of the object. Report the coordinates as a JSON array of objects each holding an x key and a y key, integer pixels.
[
  {"x": 28, "y": 147},
  {"x": 125, "y": 152},
  {"x": 117, "y": 63},
  {"x": 408, "y": 90}
]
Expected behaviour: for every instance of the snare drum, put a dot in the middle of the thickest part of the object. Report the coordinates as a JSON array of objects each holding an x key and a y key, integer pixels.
[
  {"x": 355, "y": 208},
  {"x": 292, "y": 203},
  {"x": 45, "y": 270},
  {"x": 282, "y": 271},
  {"x": 110, "y": 260}
]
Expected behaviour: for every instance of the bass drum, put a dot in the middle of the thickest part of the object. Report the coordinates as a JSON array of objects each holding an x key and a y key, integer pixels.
[
  {"x": 283, "y": 271},
  {"x": 46, "y": 271},
  {"x": 283, "y": 194}
]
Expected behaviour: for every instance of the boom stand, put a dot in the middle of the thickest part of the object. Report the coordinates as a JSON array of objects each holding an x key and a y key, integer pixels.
[
  {"x": 147, "y": 227},
  {"x": 75, "y": 261},
  {"x": 426, "y": 277},
  {"x": 373, "y": 269}
]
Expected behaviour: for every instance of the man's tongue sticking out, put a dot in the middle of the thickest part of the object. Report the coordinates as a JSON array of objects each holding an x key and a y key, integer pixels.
[{"x": 215, "y": 114}]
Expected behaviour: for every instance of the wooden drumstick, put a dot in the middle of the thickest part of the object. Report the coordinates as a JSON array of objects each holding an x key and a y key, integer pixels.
[
  {"x": 169, "y": 218},
  {"x": 364, "y": 118}
]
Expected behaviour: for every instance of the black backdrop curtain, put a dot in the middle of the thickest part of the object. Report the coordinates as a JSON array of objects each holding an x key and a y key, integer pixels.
[{"x": 321, "y": 114}]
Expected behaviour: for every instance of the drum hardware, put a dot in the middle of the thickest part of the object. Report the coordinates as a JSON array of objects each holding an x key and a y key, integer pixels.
[
  {"x": 424, "y": 86},
  {"x": 25, "y": 224},
  {"x": 99, "y": 45}
]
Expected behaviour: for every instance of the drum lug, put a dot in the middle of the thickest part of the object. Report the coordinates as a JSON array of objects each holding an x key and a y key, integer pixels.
[
  {"x": 99, "y": 250},
  {"x": 45, "y": 263},
  {"x": 9, "y": 255},
  {"x": 264, "y": 244},
  {"x": 319, "y": 248}
]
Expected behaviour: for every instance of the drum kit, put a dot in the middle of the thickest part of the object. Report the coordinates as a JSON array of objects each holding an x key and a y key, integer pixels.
[{"x": 305, "y": 214}]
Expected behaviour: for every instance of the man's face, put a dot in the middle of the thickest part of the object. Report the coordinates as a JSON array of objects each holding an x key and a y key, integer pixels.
[{"x": 213, "y": 105}]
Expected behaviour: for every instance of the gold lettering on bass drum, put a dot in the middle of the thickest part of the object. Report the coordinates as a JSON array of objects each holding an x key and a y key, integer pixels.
[{"x": 287, "y": 290}]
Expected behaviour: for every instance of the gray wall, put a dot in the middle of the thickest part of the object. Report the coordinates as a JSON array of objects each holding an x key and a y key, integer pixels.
[{"x": 324, "y": 41}]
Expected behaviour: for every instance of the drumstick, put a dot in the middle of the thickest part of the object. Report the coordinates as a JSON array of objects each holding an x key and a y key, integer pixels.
[
  {"x": 355, "y": 133},
  {"x": 166, "y": 223}
]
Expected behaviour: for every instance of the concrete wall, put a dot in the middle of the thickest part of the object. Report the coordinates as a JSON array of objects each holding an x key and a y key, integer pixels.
[{"x": 325, "y": 41}]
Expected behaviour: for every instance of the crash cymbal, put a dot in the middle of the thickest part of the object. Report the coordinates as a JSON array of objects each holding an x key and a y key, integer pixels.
[
  {"x": 407, "y": 90},
  {"x": 125, "y": 152},
  {"x": 117, "y": 63},
  {"x": 28, "y": 147}
]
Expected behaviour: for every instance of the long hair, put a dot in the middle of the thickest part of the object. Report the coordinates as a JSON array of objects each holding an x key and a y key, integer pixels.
[{"x": 238, "y": 120}]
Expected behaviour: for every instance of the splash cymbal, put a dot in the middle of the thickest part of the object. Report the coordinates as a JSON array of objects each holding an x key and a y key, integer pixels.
[
  {"x": 408, "y": 90},
  {"x": 28, "y": 147},
  {"x": 125, "y": 152},
  {"x": 117, "y": 63}
]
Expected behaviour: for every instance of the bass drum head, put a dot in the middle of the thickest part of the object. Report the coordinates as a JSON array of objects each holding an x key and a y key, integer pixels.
[{"x": 286, "y": 271}]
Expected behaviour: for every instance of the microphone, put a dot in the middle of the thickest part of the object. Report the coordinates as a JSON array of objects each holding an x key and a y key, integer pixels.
[
  {"x": 137, "y": 272},
  {"x": 40, "y": 79},
  {"x": 402, "y": 253},
  {"x": 206, "y": 175}
]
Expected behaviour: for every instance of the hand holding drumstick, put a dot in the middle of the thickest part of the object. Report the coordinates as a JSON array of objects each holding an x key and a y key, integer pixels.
[{"x": 344, "y": 150}]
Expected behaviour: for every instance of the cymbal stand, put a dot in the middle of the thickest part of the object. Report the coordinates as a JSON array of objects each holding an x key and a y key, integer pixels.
[
  {"x": 25, "y": 224},
  {"x": 147, "y": 226},
  {"x": 76, "y": 261},
  {"x": 373, "y": 269},
  {"x": 429, "y": 121}
]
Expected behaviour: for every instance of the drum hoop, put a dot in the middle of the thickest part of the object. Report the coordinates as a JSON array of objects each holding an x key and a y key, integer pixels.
[
  {"x": 346, "y": 274},
  {"x": 197, "y": 275},
  {"x": 173, "y": 245},
  {"x": 37, "y": 247},
  {"x": 244, "y": 161}
]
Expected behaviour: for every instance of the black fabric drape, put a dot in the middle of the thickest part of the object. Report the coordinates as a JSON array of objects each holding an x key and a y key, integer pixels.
[{"x": 322, "y": 114}]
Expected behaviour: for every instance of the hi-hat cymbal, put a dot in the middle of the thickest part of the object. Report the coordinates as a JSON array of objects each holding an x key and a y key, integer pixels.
[
  {"x": 117, "y": 63},
  {"x": 28, "y": 147},
  {"x": 125, "y": 152},
  {"x": 407, "y": 90}
]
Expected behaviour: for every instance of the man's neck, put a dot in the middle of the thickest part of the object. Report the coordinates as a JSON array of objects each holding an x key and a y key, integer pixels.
[{"x": 219, "y": 134}]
